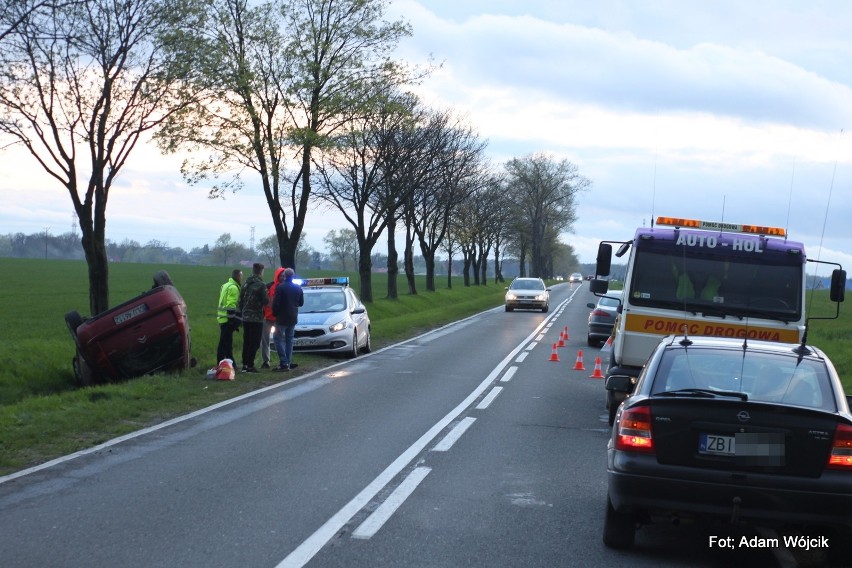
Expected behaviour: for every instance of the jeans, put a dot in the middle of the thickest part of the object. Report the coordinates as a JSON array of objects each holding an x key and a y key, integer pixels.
[
  {"x": 264, "y": 340},
  {"x": 225, "y": 349},
  {"x": 283, "y": 338}
]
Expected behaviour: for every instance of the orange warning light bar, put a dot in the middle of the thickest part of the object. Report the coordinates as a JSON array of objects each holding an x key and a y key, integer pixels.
[{"x": 716, "y": 226}]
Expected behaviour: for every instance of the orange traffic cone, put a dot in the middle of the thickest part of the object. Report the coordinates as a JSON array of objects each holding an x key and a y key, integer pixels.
[
  {"x": 578, "y": 366},
  {"x": 554, "y": 356},
  {"x": 565, "y": 333},
  {"x": 561, "y": 342},
  {"x": 608, "y": 345},
  {"x": 597, "y": 374}
]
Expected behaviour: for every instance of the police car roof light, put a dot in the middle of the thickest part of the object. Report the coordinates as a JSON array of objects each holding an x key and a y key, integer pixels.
[{"x": 337, "y": 281}]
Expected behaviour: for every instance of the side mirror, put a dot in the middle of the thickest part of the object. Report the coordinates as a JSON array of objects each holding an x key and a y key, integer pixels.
[
  {"x": 604, "y": 260},
  {"x": 838, "y": 285},
  {"x": 620, "y": 383},
  {"x": 599, "y": 286}
]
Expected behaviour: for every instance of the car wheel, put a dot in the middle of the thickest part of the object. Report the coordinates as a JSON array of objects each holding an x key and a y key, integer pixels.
[
  {"x": 619, "y": 528},
  {"x": 591, "y": 342},
  {"x": 508, "y": 309},
  {"x": 368, "y": 345},
  {"x": 73, "y": 320},
  {"x": 86, "y": 376},
  {"x": 354, "y": 352},
  {"x": 544, "y": 309}
]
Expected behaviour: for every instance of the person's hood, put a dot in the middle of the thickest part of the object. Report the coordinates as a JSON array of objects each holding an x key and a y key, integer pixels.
[{"x": 279, "y": 276}]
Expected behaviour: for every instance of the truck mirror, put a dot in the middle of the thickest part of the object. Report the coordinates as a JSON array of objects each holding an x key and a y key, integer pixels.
[
  {"x": 838, "y": 285},
  {"x": 604, "y": 260},
  {"x": 599, "y": 286}
]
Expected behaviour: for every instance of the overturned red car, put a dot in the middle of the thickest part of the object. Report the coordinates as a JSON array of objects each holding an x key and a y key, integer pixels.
[{"x": 146, "y": 334}]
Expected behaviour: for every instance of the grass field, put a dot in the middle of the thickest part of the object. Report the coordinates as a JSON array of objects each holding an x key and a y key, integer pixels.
[{"x": 44, "y": 414}]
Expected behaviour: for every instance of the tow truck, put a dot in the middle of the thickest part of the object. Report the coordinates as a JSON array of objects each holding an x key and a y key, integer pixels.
[{"x": 704, "y": 278}]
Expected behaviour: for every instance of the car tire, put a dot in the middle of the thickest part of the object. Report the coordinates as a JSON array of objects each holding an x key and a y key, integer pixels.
[
  {"x": 591, "y": 341},
  {"x": 73, "y": 320},
  {"x": 355, "y": 351},
  {"x": 86, "y": 376},
  {"x": 368, "y": 345},
  {"x": 508, "y": 309},
  {"x": 545, "y": 309},
  {"x": 619, "y": 528}
]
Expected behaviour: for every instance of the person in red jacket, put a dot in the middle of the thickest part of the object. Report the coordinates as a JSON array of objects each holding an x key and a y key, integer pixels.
[{"x": 269, "y": 318}]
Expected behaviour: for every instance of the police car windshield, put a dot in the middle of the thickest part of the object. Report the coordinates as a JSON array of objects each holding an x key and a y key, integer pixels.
[{"x": 325, "y": 300}]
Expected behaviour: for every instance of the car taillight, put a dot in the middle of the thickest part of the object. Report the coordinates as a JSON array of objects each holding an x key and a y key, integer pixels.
[
  {"x": 634, "y": 430},
  {"x": 841, "y": 449},
  {"x": 601, "y": 313}
]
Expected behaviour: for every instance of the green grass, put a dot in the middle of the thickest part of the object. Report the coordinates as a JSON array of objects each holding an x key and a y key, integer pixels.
[{"x": 44, "y": 414}]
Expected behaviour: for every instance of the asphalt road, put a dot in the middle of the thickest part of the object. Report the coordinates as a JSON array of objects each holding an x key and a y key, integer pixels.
[{"x": 467, "y": 446}]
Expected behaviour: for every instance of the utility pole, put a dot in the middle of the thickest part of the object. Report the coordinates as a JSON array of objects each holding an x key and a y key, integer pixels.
[
  {"x": 251, "y": 241},
  {"x": 46, "y": 231}
]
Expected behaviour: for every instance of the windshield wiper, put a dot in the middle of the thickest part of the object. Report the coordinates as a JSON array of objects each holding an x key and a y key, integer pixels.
[{"x": 704, "y": 393}]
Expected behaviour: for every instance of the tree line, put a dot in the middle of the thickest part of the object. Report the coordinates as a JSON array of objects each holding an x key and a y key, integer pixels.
[{"x": 300, "y": 97}]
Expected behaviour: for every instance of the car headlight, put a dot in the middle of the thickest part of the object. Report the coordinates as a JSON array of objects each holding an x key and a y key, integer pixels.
[
  {"x": 339, "y": 326},
  {"x": 510, "y": 296},
  {"x": 541, "y": 297}
]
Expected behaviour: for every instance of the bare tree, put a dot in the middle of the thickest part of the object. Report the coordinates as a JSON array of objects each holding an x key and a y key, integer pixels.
[
  {"x": 544, "y": 196},
  {"x": 342, "y": 246},
  {"x": 289, "y": 74},
  {"x": 79, "y": 85},
  {"x": 458, "y": 170}
]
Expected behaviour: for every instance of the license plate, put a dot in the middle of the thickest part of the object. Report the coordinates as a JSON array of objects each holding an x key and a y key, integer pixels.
[
  {"x": 753, "y": 448},
  {"x": 304, "y": 341},
  {"x": 716, "y": 445},
  {"x": 130, "y": 314}
]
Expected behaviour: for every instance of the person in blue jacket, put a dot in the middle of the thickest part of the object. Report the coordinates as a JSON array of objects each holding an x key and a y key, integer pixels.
[{"x": 285, "y": 305}]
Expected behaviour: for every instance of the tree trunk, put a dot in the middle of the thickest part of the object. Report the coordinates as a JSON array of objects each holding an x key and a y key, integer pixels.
[
  {"x": 98, "y": 268},
  {"x": 393, "y": 267},
  {"x": 365, "y": 271},
  {"x": 408, "y": 262}
]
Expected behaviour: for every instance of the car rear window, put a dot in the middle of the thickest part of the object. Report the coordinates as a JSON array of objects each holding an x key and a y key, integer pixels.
[{"x": 763, "y": 377}]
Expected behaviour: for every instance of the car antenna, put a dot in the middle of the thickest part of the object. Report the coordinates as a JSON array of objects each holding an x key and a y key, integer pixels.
[
  {"x": 802, "y": 349},
  {"x": 686, "y": 341}
]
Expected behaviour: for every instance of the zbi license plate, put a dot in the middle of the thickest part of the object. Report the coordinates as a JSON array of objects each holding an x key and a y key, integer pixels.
[{"x": 716, "y": 445}]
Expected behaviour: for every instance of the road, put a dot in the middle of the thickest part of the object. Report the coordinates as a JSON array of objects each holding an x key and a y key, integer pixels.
[{"x": 467, "y": 446}]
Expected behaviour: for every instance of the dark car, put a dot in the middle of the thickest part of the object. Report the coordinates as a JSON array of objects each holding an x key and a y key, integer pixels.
[
  {"x": 602, "y": 317},
  {"x": 527, "y": 294},
  {"x": 733, "y": 430},
  {"x": 143, "y": 335}
]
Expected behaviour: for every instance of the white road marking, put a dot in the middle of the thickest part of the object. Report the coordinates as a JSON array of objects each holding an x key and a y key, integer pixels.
[
  {"x": 380, "y": 516},
  {"x": 453, "y": 435},
  {"x": 532, "y": 345},
  {"x": 489, "y": 398},
  {"x": 522, "y": 356},
  {"x": 510, "y": 372}
]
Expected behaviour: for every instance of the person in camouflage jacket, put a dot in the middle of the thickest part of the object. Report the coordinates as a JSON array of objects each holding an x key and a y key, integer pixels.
[{"x": 253, "y": 298}]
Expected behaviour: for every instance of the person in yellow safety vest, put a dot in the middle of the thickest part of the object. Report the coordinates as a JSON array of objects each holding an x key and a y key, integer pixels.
[
  {"x": 687, "y": 285},
  {"x": 227, "y": 317}
]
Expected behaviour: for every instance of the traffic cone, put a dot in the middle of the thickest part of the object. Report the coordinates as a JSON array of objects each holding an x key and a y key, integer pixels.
[
  {"x": 565, "y": 333},
  {"x": 554, "y": 356},
  {"x": 561, "y": 342},
  {"x": 608, "y": 345},
  {"x": 578, "y": 366},
  {"x": 597, "y": 374}
]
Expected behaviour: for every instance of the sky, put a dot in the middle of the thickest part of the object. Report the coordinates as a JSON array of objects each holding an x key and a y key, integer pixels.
[{"x": 723, "y": 111}]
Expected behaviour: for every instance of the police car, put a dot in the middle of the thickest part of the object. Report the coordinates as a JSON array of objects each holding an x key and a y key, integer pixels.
[{"x": 333, "y": 319}]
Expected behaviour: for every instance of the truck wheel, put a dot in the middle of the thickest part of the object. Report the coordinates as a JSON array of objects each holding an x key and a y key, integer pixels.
[{"x": 619, "y": 528}]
